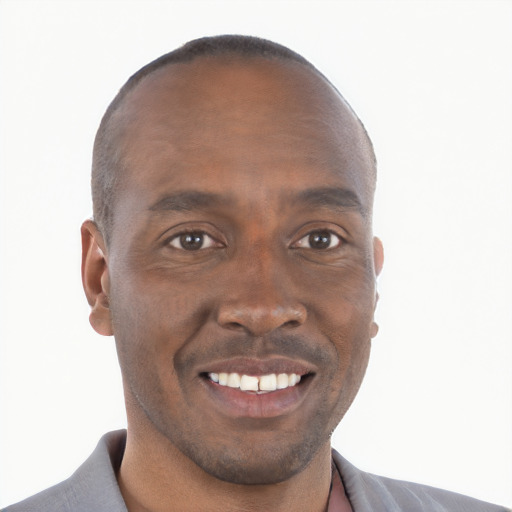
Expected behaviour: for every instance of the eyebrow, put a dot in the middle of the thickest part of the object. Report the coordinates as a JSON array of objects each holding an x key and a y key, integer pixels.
[
  {"x": 325, "y": 197},
  {"x": 188, "y": 200},
  {"x": 332, "y": 197}
]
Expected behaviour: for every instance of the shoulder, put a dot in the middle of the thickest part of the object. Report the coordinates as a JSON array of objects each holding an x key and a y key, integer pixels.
[
  {"x": 93, "y": 486},
  {"x": 367, "y": 491}
]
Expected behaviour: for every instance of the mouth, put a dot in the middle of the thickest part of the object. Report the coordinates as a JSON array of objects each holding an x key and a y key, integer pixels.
[
  {"x": 257, "y": 389},
  {"x": 258, "y": 384}
]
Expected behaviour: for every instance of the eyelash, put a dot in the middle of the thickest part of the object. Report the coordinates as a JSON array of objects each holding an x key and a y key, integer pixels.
[
  {"x": 178, "y": 240},
  {"x": 327, "y": 240},
  {"x": 333, "y": 237}
]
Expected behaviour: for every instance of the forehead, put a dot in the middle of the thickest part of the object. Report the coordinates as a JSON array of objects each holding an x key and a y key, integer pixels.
[{"x": 246, "y": 124}]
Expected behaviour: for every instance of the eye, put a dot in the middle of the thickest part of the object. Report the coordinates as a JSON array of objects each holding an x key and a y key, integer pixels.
[
  {"x": 319, "y": 240},
  {"x": 193, "y": 241}
]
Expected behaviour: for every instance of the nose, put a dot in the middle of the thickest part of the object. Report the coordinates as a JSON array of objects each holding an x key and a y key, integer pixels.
[
  {"x": 259, "y": 319},
  {"x": 261, "y": 304}
]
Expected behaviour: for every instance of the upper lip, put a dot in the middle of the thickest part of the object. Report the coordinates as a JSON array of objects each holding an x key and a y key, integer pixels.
[{"x": 255, "y": 366}]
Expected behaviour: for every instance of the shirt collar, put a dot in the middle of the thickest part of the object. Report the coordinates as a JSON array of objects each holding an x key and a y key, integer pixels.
[{"x": 338, "y": 501}]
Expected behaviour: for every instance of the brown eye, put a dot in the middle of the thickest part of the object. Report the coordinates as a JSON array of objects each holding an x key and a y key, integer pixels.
[
  {"x": 319, "y": 240},
  {"x": 193, "y": 241}
]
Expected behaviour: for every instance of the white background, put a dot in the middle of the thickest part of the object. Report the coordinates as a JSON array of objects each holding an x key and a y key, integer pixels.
[{"x": 431, "y": 80}]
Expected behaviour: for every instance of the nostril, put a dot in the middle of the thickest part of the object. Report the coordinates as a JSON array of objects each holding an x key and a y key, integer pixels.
[
  {"x": 234, "y": 326},
  {"x": 259, "y": 319}
]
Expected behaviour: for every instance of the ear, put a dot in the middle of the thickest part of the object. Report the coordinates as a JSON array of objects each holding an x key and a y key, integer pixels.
[
  {"x": 378, "y": 262},
  {"x": 378, "y": 255},
  {"x": 95, "y": 278}
]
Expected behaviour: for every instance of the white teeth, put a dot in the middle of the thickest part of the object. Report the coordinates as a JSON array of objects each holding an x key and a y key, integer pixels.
[
  {"x": 234, "y": 380},
  {"x": 248, "y": 383},
  {"x": 293, "y": 379},
  {"x": 282, "y": 381},
  {"x": 269, "y": 382}
]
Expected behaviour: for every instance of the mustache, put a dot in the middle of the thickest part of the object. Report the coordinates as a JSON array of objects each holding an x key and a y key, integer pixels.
[{"x": 276, "y": 345}]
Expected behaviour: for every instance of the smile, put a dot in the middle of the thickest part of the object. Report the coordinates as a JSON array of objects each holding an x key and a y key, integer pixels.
[
  {"x": 252, "y": 383},
  {"x": 242, "y": 387}
]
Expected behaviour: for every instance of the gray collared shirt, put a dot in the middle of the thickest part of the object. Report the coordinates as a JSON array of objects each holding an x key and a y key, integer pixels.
[{"x": 93, "y": 488}]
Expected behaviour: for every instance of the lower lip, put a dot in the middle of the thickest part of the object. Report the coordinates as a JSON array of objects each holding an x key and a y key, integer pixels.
[{"x": 236, "y": 403}]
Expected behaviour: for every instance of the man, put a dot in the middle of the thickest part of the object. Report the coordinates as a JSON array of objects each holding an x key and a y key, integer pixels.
[{"x": 232, "y": 257}]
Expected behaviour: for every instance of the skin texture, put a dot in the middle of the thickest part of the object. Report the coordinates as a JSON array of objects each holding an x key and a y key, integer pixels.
[{"x": 255, "y": 158}]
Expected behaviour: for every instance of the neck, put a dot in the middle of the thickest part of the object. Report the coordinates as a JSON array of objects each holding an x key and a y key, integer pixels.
[{"x": 156, "y": 477}]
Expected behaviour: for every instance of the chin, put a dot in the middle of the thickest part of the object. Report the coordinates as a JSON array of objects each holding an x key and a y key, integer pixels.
[{"x": 254, "y": 465}]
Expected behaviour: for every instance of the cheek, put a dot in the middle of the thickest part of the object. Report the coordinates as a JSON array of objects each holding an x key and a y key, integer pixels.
[
  {"x": 342, "y": 302},
  {"x": 352, "y": 343},
  {"x": 344, "y": 313},
  {"x": 153, "y": 320},
  {"x": 152, "y": 300}
]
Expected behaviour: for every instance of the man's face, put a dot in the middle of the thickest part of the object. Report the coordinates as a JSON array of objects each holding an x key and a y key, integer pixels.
[{"x": 241, "y": 245}]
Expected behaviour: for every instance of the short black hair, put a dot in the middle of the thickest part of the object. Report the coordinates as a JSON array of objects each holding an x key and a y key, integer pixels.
[{"x": 107, "y": 158}]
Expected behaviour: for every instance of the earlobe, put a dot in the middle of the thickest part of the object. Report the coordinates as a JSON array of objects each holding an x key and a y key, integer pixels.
[{"x": 95, "y": 278}]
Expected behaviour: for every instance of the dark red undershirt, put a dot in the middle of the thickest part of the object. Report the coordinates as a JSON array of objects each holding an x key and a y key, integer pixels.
[{"x": 338, "y": 501}]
